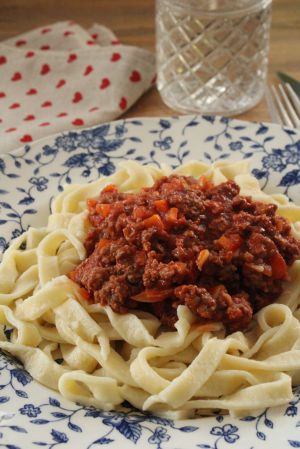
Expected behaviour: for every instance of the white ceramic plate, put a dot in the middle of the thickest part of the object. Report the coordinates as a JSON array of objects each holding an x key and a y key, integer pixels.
[{"x": 34, "y": 416}]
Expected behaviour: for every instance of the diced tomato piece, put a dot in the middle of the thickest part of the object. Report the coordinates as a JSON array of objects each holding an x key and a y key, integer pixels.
[
  {"x": 161, "y": 205},
  {"x": 172, "y": 214},
  {"x": 153, "y": 221},
  {"x": 153, "y": 295},
  {"x": 103, "y": 243},
  {"x": 204, "y": 183},
  {"x": 230, "y": 243},
  {"x": 279, "y": 267},
  {"x": 110, "y": 188},
  {"x": 202, "y": 258},
  {"x": 103, "y": 209}
]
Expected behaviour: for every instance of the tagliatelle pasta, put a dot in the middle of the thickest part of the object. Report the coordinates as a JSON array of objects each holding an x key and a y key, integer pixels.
[{"x": 94, "y": 356}]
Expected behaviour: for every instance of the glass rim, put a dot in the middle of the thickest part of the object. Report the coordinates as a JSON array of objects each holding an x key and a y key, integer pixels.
[{"x": 251, "y": 7}]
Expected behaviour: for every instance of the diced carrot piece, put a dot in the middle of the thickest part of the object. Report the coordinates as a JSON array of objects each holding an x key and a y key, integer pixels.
[
  {"x": 153, "y": 295},
  {"x": 279, "y": 267},
  {"x": 140, "y": 212},
  {"x": 85, "y": 294},
  {"x": 103, "y": 243},
  {"x": 110, "y": 188},
  {"x": 279, "y": 224},
  {"x": 172, "y": 214},
  {"x": 204, "y": 183},
  {"x": 72, "y": 275},
  {"x": 153, "y": 221},
  {"x": 91, "y": 203},
  {"x": 230, "y": 243},
  {"x": 103, "y": 209},
  {"x": 202, "y": 258},
  {"x": 161, "y": 205}
]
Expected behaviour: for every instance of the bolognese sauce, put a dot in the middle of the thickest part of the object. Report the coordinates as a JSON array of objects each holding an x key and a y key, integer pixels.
[{"x": 186, "y": 241}]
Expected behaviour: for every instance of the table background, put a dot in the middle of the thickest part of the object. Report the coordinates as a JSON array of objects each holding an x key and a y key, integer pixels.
[{"x": 133, "y": 23}]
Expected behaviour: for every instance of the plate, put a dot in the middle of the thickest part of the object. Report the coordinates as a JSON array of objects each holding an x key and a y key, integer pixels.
[{"x": 33, "y": 416}]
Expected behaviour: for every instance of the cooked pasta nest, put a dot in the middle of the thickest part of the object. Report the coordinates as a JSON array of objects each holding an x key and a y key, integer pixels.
[{"x": 108, "y": 358}]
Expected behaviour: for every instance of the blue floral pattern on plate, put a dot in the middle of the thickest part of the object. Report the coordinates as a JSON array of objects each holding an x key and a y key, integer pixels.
[{"x": 33, "y": 416}]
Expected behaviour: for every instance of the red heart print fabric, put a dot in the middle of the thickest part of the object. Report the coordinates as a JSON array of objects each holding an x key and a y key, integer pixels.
[{"x": 61, "y": 76}]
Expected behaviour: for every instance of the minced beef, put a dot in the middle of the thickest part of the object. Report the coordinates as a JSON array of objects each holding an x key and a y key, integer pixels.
[{"x": 186, "y": 241}]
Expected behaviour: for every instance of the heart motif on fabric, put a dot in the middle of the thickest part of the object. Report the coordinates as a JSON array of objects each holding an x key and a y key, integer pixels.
[
  {"x": 45, "y": 30},
  {"x": 135, "y": 76},
  {"x": 104, "y": 83},
  {"x": 16, "y": 76},
  {"x": 78, "y": 122},
  {"x": 88, "y": 70},
  {"x": 115, "y": 57},
  {"x": 60, "y": 84},
  {"x": 26, "y": 138},
  {"x": 45, "y": 69},
  {"x": 123, "y": 103},
  {"x": 14, "y": 106},
  {"x": 77, "y": 97},
  {"x": 29, "y": 117},
  {"x": 72, "y": 57},
  {"x": 21, "y": 42},
  {"x": 31, "y": 92},
  {"x": 36, "y": 111},
  {"x": 46, "y": 104}
]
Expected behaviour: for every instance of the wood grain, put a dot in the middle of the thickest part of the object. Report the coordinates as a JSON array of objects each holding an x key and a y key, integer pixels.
[{"x": 133, "y": 22}]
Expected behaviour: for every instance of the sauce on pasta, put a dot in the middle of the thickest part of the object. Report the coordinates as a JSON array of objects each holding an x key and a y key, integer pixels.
[
  {"x": 186, "y": 242},
  {"x": 97, "y": 357}
]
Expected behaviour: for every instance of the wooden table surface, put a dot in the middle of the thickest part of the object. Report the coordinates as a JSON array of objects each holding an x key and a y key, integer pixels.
[{"x": 133, "y": 23}]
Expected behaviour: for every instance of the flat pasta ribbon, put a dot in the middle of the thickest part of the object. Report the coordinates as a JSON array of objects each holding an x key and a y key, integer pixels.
[{"x": 106, "y": 358}]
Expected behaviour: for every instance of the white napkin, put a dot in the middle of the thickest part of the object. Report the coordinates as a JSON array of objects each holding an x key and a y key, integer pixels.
[{"x": 61, "y": 76}]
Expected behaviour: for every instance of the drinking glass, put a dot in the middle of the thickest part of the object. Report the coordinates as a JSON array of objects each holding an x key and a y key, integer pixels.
[{"x": 212, "y": 55}]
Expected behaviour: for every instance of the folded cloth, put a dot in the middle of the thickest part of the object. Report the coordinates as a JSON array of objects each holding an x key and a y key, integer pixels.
[{"x": 61, "y": 76}]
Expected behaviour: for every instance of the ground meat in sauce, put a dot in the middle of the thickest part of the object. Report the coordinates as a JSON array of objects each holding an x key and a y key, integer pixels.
[{"x": 185, "y": 241}]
